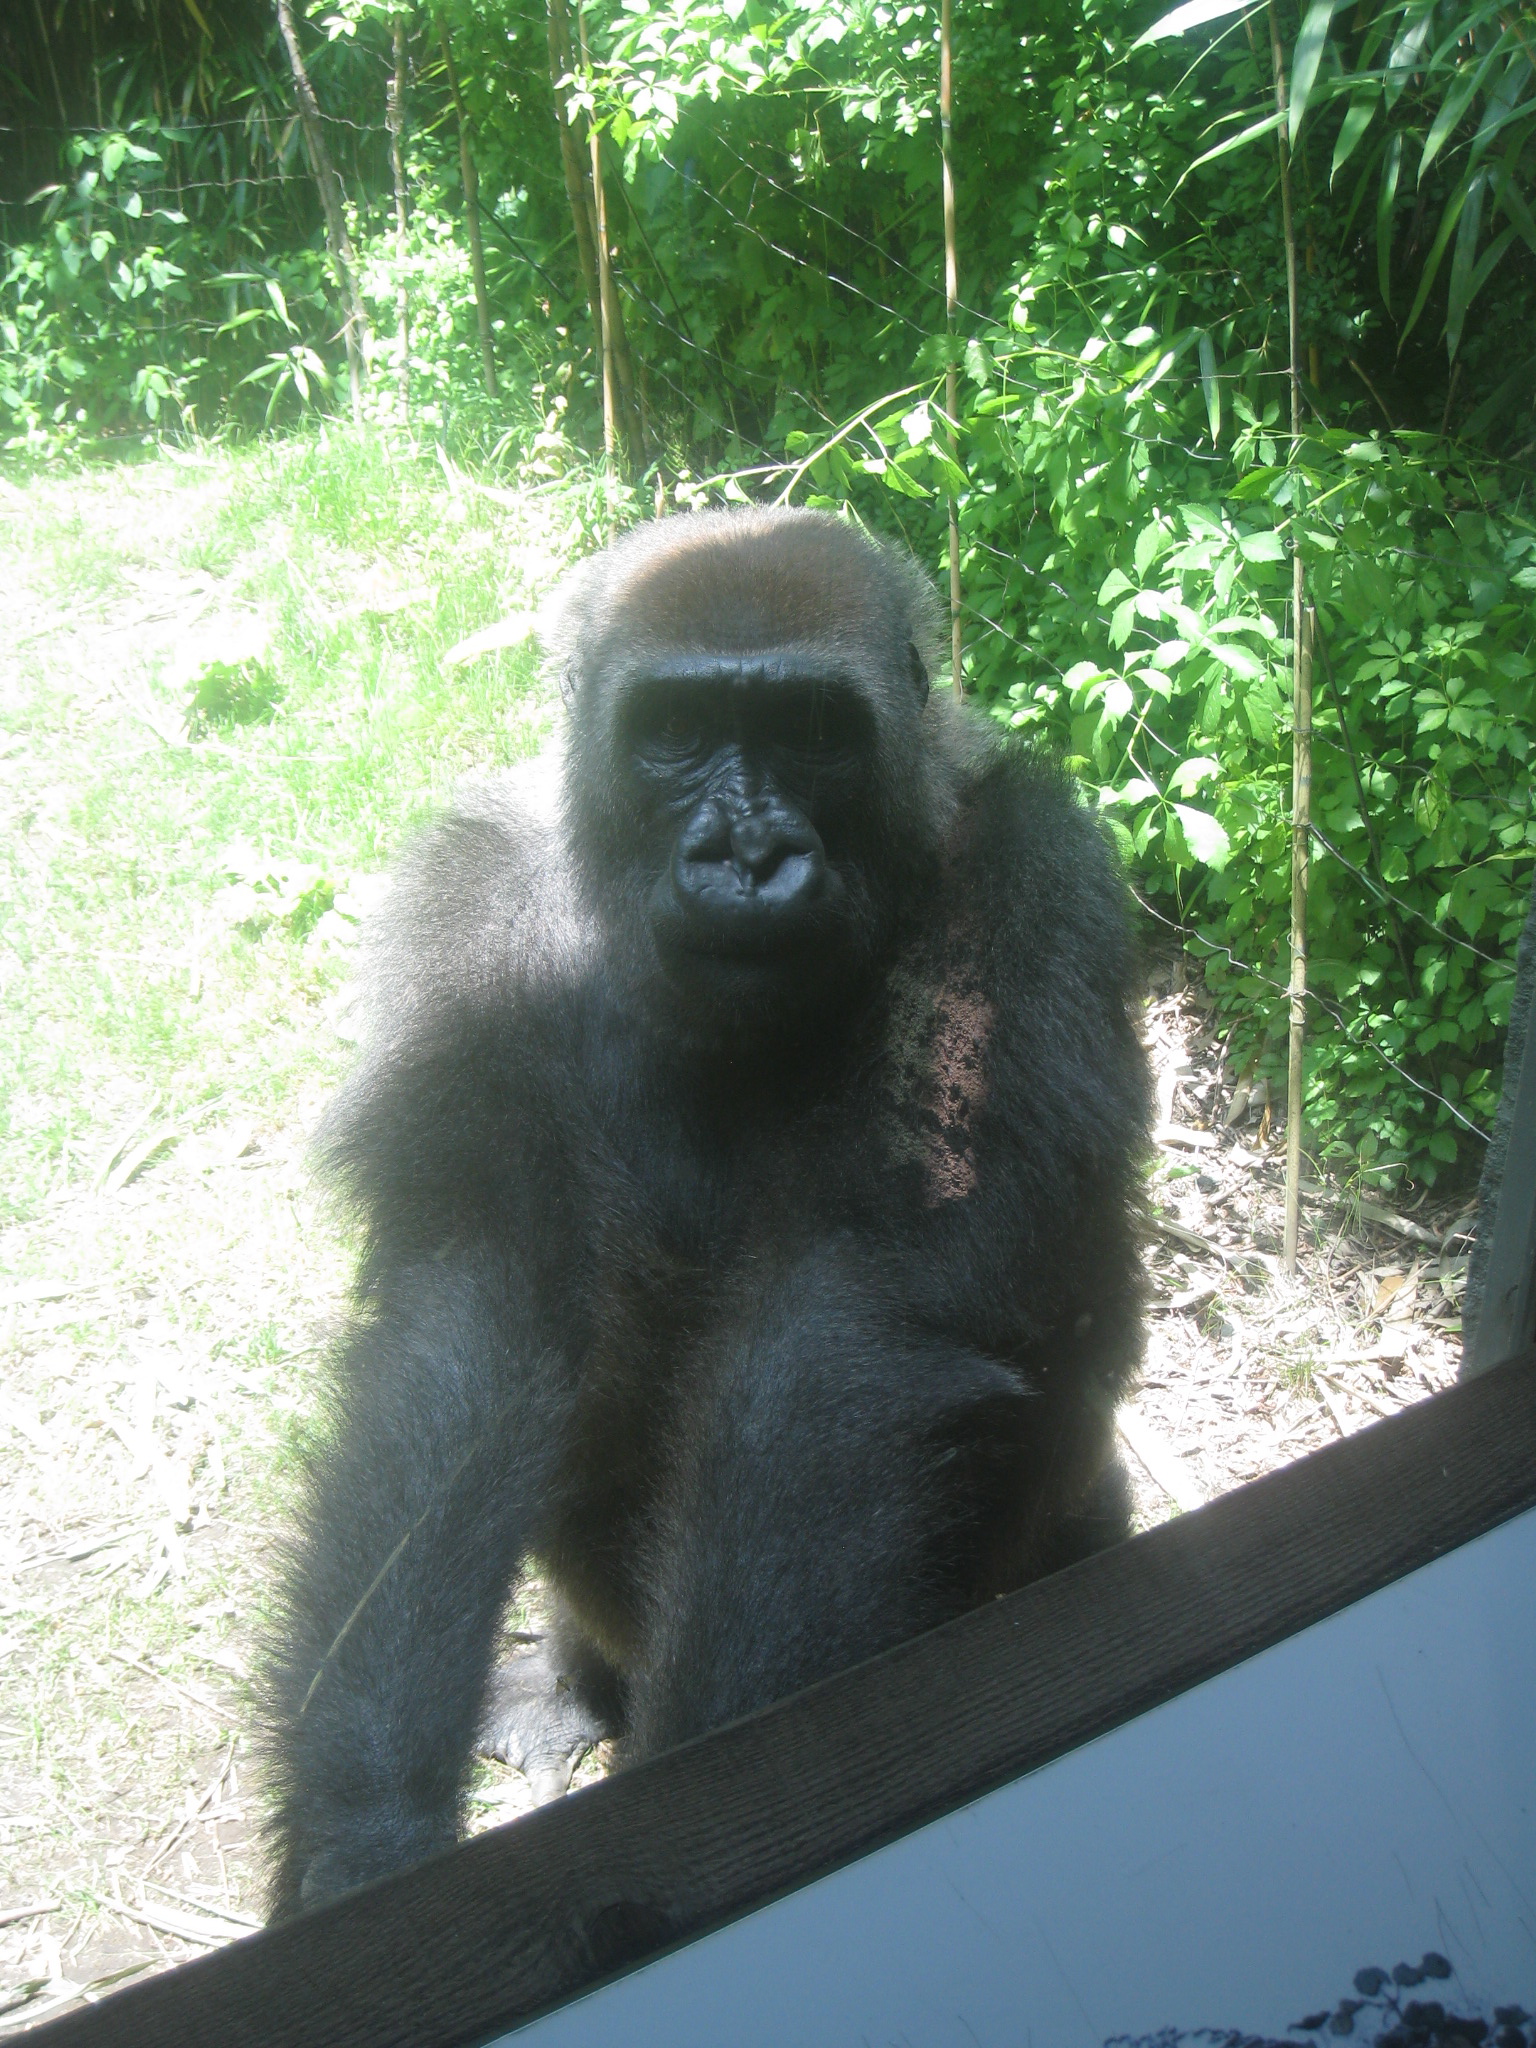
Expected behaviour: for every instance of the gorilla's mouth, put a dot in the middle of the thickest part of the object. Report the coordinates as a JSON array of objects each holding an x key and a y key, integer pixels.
[
  {"x": 747, "y": 889},
  {"x": 720, "y": 908}
]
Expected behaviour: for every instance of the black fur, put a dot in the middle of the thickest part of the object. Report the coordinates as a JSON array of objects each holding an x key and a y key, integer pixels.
[{"x": 778, "y": 1301}]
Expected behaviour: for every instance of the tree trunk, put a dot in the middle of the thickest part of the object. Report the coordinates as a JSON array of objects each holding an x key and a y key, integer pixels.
[
  {"x": 471, "y": 184},
  {"x": 394, "y": 114},
  {"x": 338, "y": 241},
  {"x": 951, "y": 375},
  {"x": 570, "y": 164},
  {"x": 616, "y": 363},
  {"x": 585, "y": 196}
]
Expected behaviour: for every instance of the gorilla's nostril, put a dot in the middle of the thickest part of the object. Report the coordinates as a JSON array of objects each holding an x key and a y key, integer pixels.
[
  {"x": 707, "y": 834},
  {"x": 763, "y": 841},
  {"x": 759, "y": 845}
]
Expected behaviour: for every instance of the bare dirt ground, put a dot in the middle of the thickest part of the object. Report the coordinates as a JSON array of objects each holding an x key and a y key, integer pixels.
[
  {"x": 1247, "y": 1369},
  {"x": 170, "y": 1292}
]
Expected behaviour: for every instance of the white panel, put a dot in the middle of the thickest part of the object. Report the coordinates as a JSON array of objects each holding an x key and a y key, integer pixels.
[{"x": 1359, "y": 1794}]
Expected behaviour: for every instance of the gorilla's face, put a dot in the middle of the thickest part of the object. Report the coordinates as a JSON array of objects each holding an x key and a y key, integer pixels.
[
  {"x": 750, "y": 778},
  {"x": 747, "y": 788}
]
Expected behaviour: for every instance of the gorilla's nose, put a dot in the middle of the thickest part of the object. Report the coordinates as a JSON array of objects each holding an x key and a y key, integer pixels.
[
  {"x": 738, "y": 870},
  {"x": 761, "y": 841}
]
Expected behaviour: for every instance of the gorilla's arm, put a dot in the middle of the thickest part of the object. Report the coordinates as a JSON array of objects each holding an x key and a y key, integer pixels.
[{"x": 419, "y": 1512}]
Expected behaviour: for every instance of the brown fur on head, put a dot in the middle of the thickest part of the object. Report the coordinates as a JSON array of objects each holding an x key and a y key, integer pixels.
[{"x": 740, "y": 580}]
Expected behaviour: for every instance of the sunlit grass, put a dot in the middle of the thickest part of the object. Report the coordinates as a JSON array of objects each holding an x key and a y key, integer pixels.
[
  {"x": 358, "y": 569},
  {"x": 163, "y": 1309}
]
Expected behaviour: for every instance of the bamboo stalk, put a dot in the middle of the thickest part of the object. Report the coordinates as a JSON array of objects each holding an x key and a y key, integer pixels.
[
  {"x": 619, "y": 406},
  {"x": 1292, "y": 295},
  {"x": 951, "y": 374},
  {"x": 53, "y": 69},
  {"x": 1301, "y": 819},
  {"x": 604, "y": 281},
  {"x": 471, "y": 182},
  {"x": 1301, "y": 698},
  {"x": 394, "y": 114},
  {"x": 575, "y": 192},
  {"x": 339, "y": 242}
]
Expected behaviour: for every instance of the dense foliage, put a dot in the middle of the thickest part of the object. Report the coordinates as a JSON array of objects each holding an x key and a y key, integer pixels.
[{"x": 1127, "y": 487}]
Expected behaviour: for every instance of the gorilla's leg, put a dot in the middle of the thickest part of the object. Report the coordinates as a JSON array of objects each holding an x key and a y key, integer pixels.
[
  {"x": 550, "y": 1703},
  {"x": 849, "y": 1482},
  {"x": 1104, "y": 1518},
  {"x": 419, "y": 1512}
]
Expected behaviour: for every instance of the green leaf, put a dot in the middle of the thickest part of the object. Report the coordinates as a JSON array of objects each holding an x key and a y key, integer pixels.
[
  {"x": 1250, "y": 134},
  {"x": 1403, "y": 61},
  {"x": 1211, "y": 385},
  {"x": 1189, "y": 775},
  {"x": 1503, "y": 105},
  {"x": 1082, "y": 672},
  {"x": 1391, "y": 164},
  {"x": 1118, "y": 699},
  {"x": 1362, "y": 111},
  {"x": 1265, "y": 546},
  {"x": 1448, "y": 220},
  {"x": 1452, "y": 107},
  {"x": 1463, "y": 263},
  {"x": 1191, "y": 14},
  {"x": 1511, "y": 199},
  {"x": 1308, "y": 55},
  {"x": 1207, "y": 839},
  {"x": 280, "y": 304},
  {"x": 1136, "y": 791},
  {"x": 1237, "y": 659},
  {"x": 896, "y": 479},
  {"x": 1489, "y": 261}
]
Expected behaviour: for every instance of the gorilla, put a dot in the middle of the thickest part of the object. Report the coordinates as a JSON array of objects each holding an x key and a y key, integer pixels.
[{"x": 745, "y": 1141}]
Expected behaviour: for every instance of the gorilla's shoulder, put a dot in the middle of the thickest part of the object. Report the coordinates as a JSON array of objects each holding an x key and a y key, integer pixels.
[
  {"x": 468, "y": 969},
  {"x": 1023, "y": 804},
  {"x": 1039, "y": 862},
  {"x": 481, "y": 904}
]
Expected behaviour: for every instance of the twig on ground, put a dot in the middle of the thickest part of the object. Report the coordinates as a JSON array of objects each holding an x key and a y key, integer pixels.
[
  {"x": 1161, "y": 1460},
  {"x": 188, "y": 1820},
  {"x": 163, "y": 1920},
  {"x": 85, "y": 1546},
  {"x": 205, "y": 1706},
  {"x": 1360, "y": 1394},
  {"x": 1334, "y": 1406},
  {"x": 1191, "y": 1239},
  {"x": 9, "y": 1915},
  {"x": 246, "y": 1920}
]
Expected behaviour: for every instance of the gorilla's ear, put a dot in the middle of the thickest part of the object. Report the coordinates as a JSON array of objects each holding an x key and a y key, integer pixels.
[
  {"x": 568, "y": 683},
  {"x": 919, "y": 673}
]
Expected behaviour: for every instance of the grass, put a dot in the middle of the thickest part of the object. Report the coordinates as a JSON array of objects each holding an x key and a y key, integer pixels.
[{"x": 177, "y": 931}]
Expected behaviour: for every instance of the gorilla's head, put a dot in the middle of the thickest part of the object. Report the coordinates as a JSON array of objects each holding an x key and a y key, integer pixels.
[{"x": 755, "y": 780}]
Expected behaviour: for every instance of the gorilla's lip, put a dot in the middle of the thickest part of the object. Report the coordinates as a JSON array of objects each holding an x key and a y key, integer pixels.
[{"x": 726, "y": 915}]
